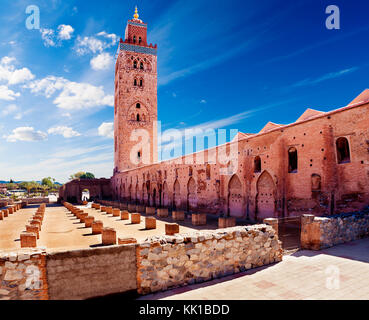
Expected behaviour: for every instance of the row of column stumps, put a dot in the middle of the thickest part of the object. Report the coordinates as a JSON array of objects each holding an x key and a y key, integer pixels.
[
  {"x": 198, "y": 219},
  {"x": 5, "y": 212},
  {"x": 108, "y": 235},
  {"x": 29, "y": 238}
]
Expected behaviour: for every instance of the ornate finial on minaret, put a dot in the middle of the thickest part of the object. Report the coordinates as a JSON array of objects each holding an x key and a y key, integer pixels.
[{"x": 136, "y": 13}]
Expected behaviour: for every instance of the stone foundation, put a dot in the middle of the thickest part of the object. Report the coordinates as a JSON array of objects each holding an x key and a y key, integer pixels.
[
  {"x": 323, "y": 232},
  {"x": 171, "y": 261}
]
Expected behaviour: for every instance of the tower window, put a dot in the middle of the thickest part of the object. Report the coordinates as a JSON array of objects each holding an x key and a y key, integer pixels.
[
  {"x": 138, "y": 117},
  {"x": 139, "y": 154},
  {"x": 257, "y": 164},
  {"x": 135, "y": 64},
  {"x": 138, "y": 106},
  {"x": 141, "y": 65},
  {"x": 343, "y": 150},
  {"x": 141, "y": 82},
  {"x": 135, "y": 82},
  {"x": 190, "y": 171},
  {"x": 292, "y": 160},
  {"x": 139, "y": 40},
  {"x": 134, "y": 39}
]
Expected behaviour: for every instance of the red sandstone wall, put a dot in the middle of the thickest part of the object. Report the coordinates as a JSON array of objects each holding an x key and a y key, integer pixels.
[{"x": 343, "y": 187}]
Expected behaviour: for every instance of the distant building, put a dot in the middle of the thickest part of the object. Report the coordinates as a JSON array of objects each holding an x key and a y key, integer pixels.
[{"x": 3, "y": 188}]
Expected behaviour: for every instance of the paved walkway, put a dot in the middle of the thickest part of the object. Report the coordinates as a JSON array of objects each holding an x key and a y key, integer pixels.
[{"x": 341, "y": 272}]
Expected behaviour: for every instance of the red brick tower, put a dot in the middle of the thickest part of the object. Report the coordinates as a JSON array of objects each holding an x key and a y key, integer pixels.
[{"x": 135, "y": 107}]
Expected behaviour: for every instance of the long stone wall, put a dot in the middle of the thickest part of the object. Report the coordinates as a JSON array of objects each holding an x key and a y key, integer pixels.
[
  {"x": 323, "y": 232},
  {"x": 170, "y": 261},
  {"x": 23, "y": 275},
  {"x": 89, "y": 273}
]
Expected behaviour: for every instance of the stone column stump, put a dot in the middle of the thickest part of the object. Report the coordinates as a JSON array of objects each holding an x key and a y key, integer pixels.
[
  {"x": 33, "y": 229},
  {"x": 171, "y": 229},
  {"x": 150, "y": 223},
  {"x": 162, "y": 213},
  {"x": 97, "y": 227},
  {"x": 116, "y": 212},
  {"x": 124, "y": 215},
  {"x": 88, "y": 221},
  {"x": 28, "y": 240},
  {"x": 178, "y": 215},
  {"x": 199, "y": 219},
  {"x": 135, "y": 218},
  {"x": 126, "y": 241},
  {"x": 109, "y": 236},
  {"x": 273, "y": 222},
  {"x": 150, "y": 211},
  {"x": 226, "y": 222}
]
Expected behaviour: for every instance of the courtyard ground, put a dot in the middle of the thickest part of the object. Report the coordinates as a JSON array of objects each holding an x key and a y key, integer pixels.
[
  {"x": 61, "y": 230},
  {"x": 309, "y": 275}
]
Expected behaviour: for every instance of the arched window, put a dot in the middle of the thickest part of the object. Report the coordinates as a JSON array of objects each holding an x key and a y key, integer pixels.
[
  {"x": 257, "y": 164},
  {"x": 139, "y": 155},
  {"x": 292, "y": 160},
  {"x": 134, "y": 39},
  {"x": 343, "y": 150},
  {"x": 190, "y": 171},
  {"x": 138, "y": 117},
  {"x": 138, "y": 106},
  {"x": 139, "y": 40},
  {"x": 135, "y": 64},
  {"x": 141, "y": 65},
  {"x": 208, "y": 172},
  {"x": 135, "y": 82},
  {"x": 141, "y": 82}
]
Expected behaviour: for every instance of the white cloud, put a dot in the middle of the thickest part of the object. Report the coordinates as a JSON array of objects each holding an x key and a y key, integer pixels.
[
  {"x": 73, "y": 95},
  {"x": 106, "y": 130},
  {"x": 47, "y": 86},
  {"x": 101, "y": 62},
  {"x": 9, "y": 73},
  {"x": 93, "y": 45},
  {"x": 78, "y": 96},
  {"x": 48, "y": 36},
  {"x": 10, "y": 109},
  {"x": 88, "y": 45},
  {"x": 66, "y": 132},
  {"x": 203, "y": 101},
  {"x": 26, "y": 134},
  {"x": 7, "y": 94},
  {"x": 65, "y": 32},
  {"x": 53, "y": 39}
]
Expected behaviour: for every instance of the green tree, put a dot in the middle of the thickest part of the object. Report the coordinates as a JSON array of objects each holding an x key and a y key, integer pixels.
[
  {"x": 88, "y": 175},
  {"x": 76, "y": 175},
  {"x": 47, "y": 182}
]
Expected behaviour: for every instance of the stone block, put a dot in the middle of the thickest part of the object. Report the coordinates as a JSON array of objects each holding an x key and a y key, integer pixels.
[
  {"x": 135, "y": 218},
  {"x": 171, "y": 229},
  {"x": 140, "y": 208},
  {"x": 33, "y": 229},
  {"x": 199, "y": 219},
  {"x": 226, "y": 222},
  {"x": 116, "y": 212},
  {"x": 126, "y": 241},
  {"x": 97, "y": 227},
  {"x": 150, "y": 211},
  {"x": 109, "y": 236},
  {"x": 109, "y": 210},
  {"x": 150, "y": 223},
  {"x": 28, "y": 240},
  {"x": 178, "y": 215},
  {"x": 6, "y": 213},
  {"x": 162, "y": 213},
  {"x": 82, "y": 217},
  {"x": 88, "y": 221},
  {"x": 132, "y": 208},
  {"x": 124, "y": 215}
]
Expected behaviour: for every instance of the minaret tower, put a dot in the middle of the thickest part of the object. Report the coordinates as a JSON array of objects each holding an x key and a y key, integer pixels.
[{"x": 135, "y": 106}]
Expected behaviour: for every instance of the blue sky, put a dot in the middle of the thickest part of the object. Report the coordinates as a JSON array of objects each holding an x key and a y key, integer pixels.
[{"x": 224, "y": 64}]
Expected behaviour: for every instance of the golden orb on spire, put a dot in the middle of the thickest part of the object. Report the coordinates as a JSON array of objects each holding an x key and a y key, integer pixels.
[{"x": 136, "y": 13}]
